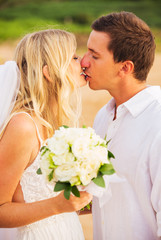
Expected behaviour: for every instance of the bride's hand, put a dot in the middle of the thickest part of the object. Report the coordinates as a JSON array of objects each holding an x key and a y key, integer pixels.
[{"x": 74, "y": 203}]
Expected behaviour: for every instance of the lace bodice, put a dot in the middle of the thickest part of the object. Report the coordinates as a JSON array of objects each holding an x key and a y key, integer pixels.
[{"x": 34, "y": 186}]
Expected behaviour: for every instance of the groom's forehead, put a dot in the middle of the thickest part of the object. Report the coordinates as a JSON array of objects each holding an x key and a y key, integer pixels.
[{"x": 97, "y": 41}]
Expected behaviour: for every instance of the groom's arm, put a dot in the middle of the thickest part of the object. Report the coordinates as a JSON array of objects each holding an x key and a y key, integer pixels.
[{"x": 155, "y": 174}]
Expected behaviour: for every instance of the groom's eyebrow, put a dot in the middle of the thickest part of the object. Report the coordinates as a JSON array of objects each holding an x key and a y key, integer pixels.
[{"x": 90, "y": 49}]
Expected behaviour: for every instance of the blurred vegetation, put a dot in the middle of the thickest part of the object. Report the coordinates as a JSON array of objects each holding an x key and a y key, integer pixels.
[{"x": 18, "y": 17}]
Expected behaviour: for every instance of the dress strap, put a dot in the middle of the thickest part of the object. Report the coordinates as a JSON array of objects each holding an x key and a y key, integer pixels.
[{"x": 37, "y": 130}]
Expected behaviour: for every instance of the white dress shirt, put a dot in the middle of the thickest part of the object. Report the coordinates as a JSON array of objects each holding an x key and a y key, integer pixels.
[{"x": 134, "y": 210}]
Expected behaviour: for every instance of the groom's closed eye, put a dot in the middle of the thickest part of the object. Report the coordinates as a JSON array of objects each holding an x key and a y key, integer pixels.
[{"x": 95, "y": 54}]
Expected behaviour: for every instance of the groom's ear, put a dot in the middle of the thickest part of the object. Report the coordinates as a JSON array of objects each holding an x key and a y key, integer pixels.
[
  {"x": 127, "y": 68},
  {"x": 45, "y": 71}
]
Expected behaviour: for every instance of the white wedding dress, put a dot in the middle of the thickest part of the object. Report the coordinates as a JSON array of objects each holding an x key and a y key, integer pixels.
[
  {"x": 64, "y": 226},
  {"x": 8, "y": 233}
]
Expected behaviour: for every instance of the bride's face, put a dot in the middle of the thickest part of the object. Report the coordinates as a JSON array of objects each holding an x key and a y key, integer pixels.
[{"x": 76, "y": 70}]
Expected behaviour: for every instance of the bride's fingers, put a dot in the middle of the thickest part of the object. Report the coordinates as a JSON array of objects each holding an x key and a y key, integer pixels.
[
  {"x": 74, "y": 203},
  {"x": 82, "y": 201},
  {"x": 86, "y": 195}
]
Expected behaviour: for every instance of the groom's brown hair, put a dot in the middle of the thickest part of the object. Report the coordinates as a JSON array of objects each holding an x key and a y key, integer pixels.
[{"x": 131, "y": 39}]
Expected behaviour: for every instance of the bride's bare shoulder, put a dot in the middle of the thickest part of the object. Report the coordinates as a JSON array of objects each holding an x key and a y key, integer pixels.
[{"x": 21, "y": 125}]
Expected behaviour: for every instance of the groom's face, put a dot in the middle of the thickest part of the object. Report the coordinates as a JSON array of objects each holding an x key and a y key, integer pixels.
[{"x": 98, "y": 62}]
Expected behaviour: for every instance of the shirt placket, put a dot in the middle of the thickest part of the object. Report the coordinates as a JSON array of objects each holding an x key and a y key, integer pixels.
[{"x": 113, "y": 125}]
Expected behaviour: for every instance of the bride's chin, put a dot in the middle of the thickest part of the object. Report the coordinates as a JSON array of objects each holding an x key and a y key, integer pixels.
[{"x": 82, "y": 82}]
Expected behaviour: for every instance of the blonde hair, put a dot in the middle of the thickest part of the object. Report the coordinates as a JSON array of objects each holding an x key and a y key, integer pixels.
[{"x": 54, "y": 48}]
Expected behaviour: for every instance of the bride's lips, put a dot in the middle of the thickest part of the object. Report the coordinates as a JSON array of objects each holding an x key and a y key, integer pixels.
[{"x": 85, "y": 75}]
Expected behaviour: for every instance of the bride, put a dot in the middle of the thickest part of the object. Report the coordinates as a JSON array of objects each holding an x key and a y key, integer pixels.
[{"x": 49, "y": 72}]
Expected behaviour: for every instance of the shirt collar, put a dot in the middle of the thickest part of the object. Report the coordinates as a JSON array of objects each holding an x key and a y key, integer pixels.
[
  {"x": 139, "y": 102},
  {"x": 142, "y": 99},
  {"x": 110, "y": 107}
]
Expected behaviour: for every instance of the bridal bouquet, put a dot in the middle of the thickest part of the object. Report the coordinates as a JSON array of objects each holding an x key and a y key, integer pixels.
[{"x": 74, "y": 157}]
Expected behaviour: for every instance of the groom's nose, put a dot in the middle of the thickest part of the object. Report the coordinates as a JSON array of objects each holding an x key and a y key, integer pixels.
[{"x": 85, "y": 61}]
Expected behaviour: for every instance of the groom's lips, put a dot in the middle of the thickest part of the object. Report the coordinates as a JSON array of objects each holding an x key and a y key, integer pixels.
[{"x": 87, "y": 76}]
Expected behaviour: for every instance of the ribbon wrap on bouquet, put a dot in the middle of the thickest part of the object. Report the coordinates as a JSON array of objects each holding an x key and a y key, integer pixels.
[{"x": 103, "y": 194}]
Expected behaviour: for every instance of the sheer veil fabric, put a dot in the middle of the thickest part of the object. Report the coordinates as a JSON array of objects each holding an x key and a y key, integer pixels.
[{"x": 9, "y": 86}]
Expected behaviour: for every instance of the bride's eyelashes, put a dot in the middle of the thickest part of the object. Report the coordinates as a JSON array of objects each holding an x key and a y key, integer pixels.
[{"x": 76, "y": 57}]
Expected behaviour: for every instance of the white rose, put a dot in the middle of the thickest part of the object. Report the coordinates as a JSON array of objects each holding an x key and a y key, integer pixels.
[
  {"x": 98, "y": 154},
  {"x": 65, "y": 158},
  {"x": 58, "y": 147},
  {"x": 65, "y": 172},
  {"x": 58, "y": 159},
  {"x": 60, "y": 133},
  {"x": 44, "y": 164},
  {"x": 90, "y": 166},
  {"x": 69, "y": 158},
  {"x": 80, "y": 147},
  {"x": 75, "y": 181},
  {"x": 85, "y": 179},
  {"x": 88, "y": 132},
  {"x": 97, "y": 140},
  {"x": 72, "y": 134}
]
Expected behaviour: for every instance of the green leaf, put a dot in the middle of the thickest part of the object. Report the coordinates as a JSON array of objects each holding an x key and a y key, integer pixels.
[
  {"x": 99, "y": 180},
  {"x": 52, "y": 165},
  {"x": 59, "y": 186},
  {"x": 108, "y": 142},
  {"x": 46, "y": 150},
  {"x": 50, "y": 176},
  {"x": 107, "y": 169},
  {"x": 51, "y": 155},
  {"x": 103, "y": 145},
  {"x": 70, "y": 148},
  {"x": 51, "y": 162},
  {"x": 39, "y": 171},
  {"x": 84, "y": 126},
  {"x": 64, "y": 126},
  {"x": 105, "y": 137},
  {"x": 110, "y": 155},
  {"x": 42, "y": 148},
  {"x": 67, "y": 191},
  {"x": 112, "y": 171},
  {"x": 75, "y": 191},
  {"x": 88, "y": 206}
]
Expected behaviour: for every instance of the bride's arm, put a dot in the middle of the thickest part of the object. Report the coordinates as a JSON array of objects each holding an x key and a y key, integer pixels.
[
  {"x": 16, "y": 151},
  {"x": 18, "y": 214}
]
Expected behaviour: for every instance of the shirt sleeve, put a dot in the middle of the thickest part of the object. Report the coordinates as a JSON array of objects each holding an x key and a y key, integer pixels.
[{"x": 155, "y": 173}]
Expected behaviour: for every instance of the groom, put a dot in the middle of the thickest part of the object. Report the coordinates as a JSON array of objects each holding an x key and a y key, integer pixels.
[{"x": 120, "y": 54}]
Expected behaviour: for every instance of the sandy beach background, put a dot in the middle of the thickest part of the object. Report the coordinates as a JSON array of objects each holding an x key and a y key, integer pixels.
[{"x": 92, "y": 102}]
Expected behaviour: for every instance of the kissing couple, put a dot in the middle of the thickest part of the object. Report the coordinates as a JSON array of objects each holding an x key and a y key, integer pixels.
[{"x": 45, "y": 73}]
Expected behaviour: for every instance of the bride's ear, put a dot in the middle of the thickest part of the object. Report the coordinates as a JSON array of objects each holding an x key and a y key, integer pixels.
[{"x": 45, "y": 71}]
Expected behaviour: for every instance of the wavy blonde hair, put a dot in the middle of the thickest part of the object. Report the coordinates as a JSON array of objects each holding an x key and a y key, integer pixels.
[{"x": 54, "y": 48}]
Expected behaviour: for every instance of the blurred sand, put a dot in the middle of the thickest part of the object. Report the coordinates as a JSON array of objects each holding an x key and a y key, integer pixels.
[{"x": 92, "y": 102}]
